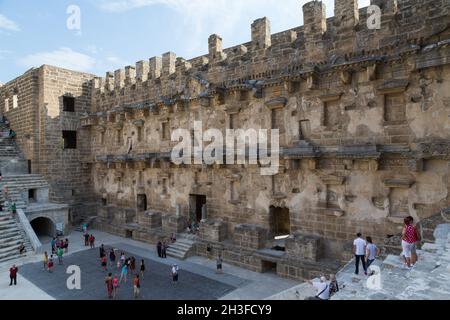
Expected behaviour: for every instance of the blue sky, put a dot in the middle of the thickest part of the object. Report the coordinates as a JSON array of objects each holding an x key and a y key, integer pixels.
[{"x": 116, "y": 33}]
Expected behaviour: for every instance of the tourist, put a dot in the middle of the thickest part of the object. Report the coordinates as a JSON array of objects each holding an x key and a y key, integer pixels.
[
  {"x": 115, "y": 286},
  {"x": 414, "y": 256},
  {"x": 124, "y": 273},
  {"x": 86, "y": 239},
  {"x": 164, "y": 250},
  {"x": 142, "y": 269},
  {"x": 132, "y": 264},
  {"x": 59, "y": 253},
  {"x": 136, "y": 286},
  {"x": 112, "y": 257},
  {"x": 66, "y": 246},
  {"x": 13, "y": 275},
  {"x": 50, "y": 264},
  {"x": 159, "y": 249},
  {"x": 13, "y": 208},
  {"x": 53, "y": 245},
  {"x": 334, "y": 286},
  {"x": 102, "y": 251},
  {"x": 409, "y": 240},
  {"x": 45, "y": 260},
  {"x": 62, "y": 244},
  {"x": 21, "y": 249},
  {"x": 122, "y": 258},
  {"x": 173, "y": 238},
  {"x": 174, "y": 273},
  {"x": 359, "y": 250},
  {"x": 109, "y": 285},
  {"x": 323, "y": 289},
  {"x": 219, "y": 264},
  {"x": 104, "y": 263},
  {"x": 12, "y": 134},
  {"x": 92, "y": 241},
  {"x": 372, "y": 252}
]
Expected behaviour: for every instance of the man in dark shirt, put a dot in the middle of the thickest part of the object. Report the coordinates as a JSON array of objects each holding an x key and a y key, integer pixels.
[
  {"x": 13, "y": 275},
  {"x": 86, "y": 239}
]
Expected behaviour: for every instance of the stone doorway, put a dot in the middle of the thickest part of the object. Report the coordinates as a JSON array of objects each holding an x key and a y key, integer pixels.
[
  {"x": 280, "y": 222},
  {"x": 269, "y": 267},
  {"x": 43, "y": 227},
  {"x": 196, "y": 203}
]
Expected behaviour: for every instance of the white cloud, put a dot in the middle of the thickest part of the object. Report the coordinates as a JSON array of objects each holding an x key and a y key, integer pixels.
[
  {"x": 229, "y": 18},
  {"x": 8, "y": 24},
  {"x": 62, "y": 57}
]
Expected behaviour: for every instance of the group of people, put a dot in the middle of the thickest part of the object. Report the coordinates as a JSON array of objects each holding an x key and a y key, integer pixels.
[
  {"x": 161, "y": 248},
  {"x": 366, "y": 252},
  {"x": 89, "y": 240},
  {"x": 57, "y": 244}
]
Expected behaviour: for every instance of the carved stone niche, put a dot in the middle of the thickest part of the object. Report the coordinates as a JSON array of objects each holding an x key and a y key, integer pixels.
[
  {"x": 404, "y": 183},
  {"x": 276, "y": 103},
  {"x": 393, "y": 86},
  {"x": 303, "y": 246},
  {"x": 213, "y": 230},
  {"x": 333, "y": 180}
]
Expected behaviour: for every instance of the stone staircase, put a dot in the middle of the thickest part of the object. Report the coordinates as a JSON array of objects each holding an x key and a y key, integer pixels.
[
  {"x": 8, "y": 148},
  {"x": 11, "y": 236},
  {"x": 427, "y": 280},
  {"x": 16, "y": 184},
  {"x": 181, "y": 249}
]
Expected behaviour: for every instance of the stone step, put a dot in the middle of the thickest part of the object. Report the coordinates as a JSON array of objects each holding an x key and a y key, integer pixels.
[{"x": 12, "y": 243}]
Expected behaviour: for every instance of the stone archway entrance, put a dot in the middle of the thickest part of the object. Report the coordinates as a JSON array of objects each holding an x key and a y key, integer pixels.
[
  {"x": 43, "y": 227},
  {"x": 280, "y": 222}
]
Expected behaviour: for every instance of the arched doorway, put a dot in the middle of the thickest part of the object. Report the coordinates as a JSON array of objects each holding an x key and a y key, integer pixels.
[{"x": 43, "y": 227}]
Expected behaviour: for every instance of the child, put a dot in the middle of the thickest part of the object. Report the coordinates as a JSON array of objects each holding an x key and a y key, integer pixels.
[
  {"x": 115, "y": 286},
  {"x": 104, "y": 263},
  {"x": 45, "y": 260},
  {"x": 142, "y": 269},
  {"x": 50, "y": 264}
]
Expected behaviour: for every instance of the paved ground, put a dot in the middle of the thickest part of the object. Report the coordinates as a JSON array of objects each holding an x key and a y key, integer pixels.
[
  {"x": 156, "y": 285},
  {"x": 198, "y": 279}
]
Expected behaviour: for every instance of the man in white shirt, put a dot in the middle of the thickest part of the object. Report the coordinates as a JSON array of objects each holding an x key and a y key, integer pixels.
[
  {"x": 359, "y": 250},
  {"x": 323, "y": 289}
]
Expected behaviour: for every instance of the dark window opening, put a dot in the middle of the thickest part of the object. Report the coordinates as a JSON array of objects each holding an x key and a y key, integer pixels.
[
  {"x": 68, "y": 104},
  {"x": 70, "y": 139},
  {"x": 280, "y": 222},
  {"x": 269, "y": 267},
  {"x": 32, "y": 195},
  {"x": 104, "y": 202}
]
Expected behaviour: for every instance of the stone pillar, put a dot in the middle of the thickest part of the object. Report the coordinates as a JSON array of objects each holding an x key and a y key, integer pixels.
[
  {"x": 215, "y": 48},
  {"x": 155, "y": 67},
  {"x": 130, "y": 75},
  {"x": 261, "y": 37},
  {"x": 142, "y": 69},
  {"x": 169, "y": 63},
  {"x": 346, "y": 14},
  {"x": 315, "y": 25},
  {"x": 119, "y": 79},
  {"x": 178, "y": 210},
  {"x": 109, "y": 81}
]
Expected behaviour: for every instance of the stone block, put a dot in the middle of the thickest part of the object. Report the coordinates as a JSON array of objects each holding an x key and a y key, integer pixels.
[
  {"x": 213, "y": 230},
  {"x": 250, "y": 236},
  {"x": 303, "y": 246},
  {"x": 173, "y": 224}
]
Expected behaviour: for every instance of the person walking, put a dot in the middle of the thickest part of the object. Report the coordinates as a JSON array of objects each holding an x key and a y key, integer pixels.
[
  {"x": 86, "y": 239},
  {"x": 66, "y": 246},
  {"x": 164, "y": 250},
  {"x": 92, "y": 241},
  {"x": 21, "y": 249},
  {"x": 45, "y": 261},
  {"x": 109, "y": 285},
  {"x": 112, "y": 257},
  {"x": 219, "y": 264},
  {"x": 142, "y": 268},
  {"x": 136, "y": 286},
  {"x": 372, "y": 252},
  {"x": 159, "y": 249},
  {"x": 53, "y": 245},
  {"x": 50, "y": 264},
  {"x": 102, "y": 251},
  {"x": 104, "y": 263},
  {"x": 115, "y": 286},
  {"x": 122, "y": 258},
  {"x": 13, "y": 275},
  {"x": 124, "y": 273},
  {"x": 359, "y": 250},
  {"x": 174, "y": 273},
  {"x": 409, "y": 239},
  {"x": 132, "y": 265},
  {"x": 60, "y": 253}
]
